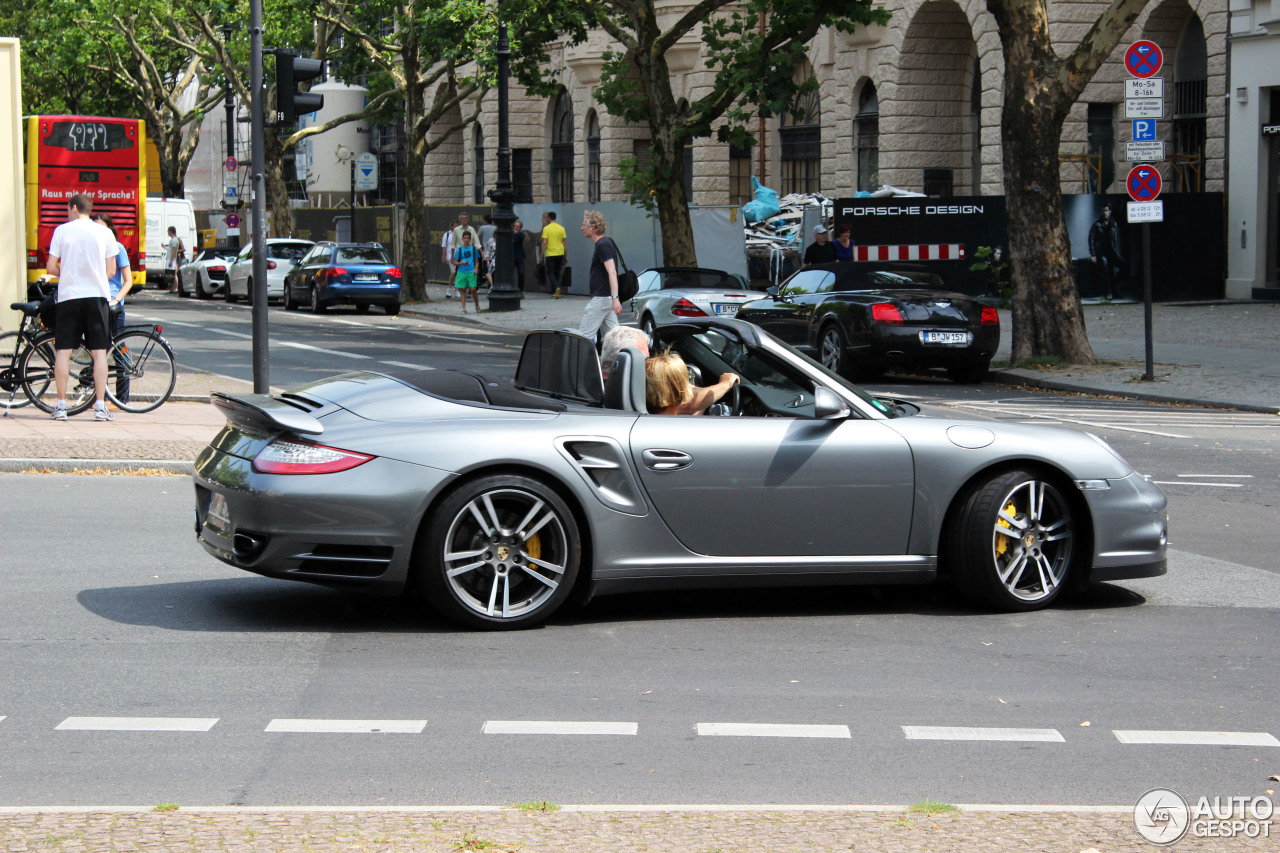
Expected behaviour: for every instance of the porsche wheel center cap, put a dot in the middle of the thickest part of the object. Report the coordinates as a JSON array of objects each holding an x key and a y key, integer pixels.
[{"x": 503, "y": 553}]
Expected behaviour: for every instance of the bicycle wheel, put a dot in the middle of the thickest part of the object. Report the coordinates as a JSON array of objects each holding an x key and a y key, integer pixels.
[
  {"x": 37, "y": 367},
  {"x": 142, "y": 372},
  {"x": 11, "y": 393}
]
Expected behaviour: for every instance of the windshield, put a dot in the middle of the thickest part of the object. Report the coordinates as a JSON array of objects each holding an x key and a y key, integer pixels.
[
  {"x": 362, "y": 255},
  {"x": 287, "y": 251},
  {"x": 700, "y": 280},
  {"x": 885, "y": 279}
]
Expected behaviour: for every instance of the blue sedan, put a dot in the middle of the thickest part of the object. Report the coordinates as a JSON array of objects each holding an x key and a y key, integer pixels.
[{"x": 359, "y": 274}]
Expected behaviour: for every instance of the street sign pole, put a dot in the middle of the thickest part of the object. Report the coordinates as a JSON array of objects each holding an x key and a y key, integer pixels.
[
  {"x": 1146, "y": 300},
  {"x": 258, "y": 290},
  {"x": 353, "y": 201}
]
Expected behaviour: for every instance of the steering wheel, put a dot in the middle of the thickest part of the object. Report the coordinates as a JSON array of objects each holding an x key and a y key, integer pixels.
[{"x": 732, "y": 399}]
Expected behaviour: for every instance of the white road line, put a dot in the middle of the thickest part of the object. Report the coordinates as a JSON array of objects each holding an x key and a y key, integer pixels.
[
  {"x": 227, "y": 332},
  {"x": 407, "y": 727},
  {"x": 406, "y": 364},
  {"x": 1196, "y": 738},
  {"x": 557, "y": 727},
  {"x": 1190, "y": 483},
  {"x": 771, "y": 730},
  {"x": 1082, "y": 422},
  {"x": 320, "y": 349},
  {"x": 1222, "y": 476},
  {"x": 137, "y": 724},
  {"x": 974, "y": 733}
]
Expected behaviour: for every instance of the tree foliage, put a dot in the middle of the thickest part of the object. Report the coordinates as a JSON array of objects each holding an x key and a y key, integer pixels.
[{"x": 753, "y": 74}]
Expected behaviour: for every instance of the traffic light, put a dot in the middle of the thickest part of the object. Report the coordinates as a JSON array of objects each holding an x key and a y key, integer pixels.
[{"x": 292, "y": 70}]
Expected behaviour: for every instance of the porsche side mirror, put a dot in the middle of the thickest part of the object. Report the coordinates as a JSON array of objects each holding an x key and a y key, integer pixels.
[
  {"x": 772, "y": 291},
  {"x": 826, "y": 404}
]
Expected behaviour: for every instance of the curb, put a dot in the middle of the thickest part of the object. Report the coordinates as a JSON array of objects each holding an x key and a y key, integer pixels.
[
  {"x": 72, "y": 466},
  {"x": 1018, "y": 378}
]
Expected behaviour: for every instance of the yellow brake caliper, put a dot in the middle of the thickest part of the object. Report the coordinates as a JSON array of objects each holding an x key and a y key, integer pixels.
[
  {"x": 1002, "y": 544},
  {"x": 533, "y": 546}
]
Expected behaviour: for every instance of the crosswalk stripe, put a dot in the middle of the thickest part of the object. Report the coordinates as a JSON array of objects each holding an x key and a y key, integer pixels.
[
  {"x": 1196, "y": 738},
  {"x": 772, "y": 730},
  {"x": 975, "y": 733},
  {"x": 137, "y": 724},
  {"x": 408, "y": 727},
  {"x": 558, "y": 727}
]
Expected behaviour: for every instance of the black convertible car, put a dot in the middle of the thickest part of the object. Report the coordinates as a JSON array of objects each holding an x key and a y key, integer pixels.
[{"x": 862, "y": 319}]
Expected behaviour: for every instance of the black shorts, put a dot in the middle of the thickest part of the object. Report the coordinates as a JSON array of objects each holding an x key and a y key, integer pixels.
[{"x": 82, "y": 320}]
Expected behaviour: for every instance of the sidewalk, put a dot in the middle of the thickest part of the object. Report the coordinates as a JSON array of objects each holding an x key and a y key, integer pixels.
[
  {"x": 1224, "y": 354},
  {"x": 607, "y": 829}
]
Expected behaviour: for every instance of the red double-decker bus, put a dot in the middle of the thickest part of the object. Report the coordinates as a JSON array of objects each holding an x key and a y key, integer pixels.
[{"x": 104, "y": 158}]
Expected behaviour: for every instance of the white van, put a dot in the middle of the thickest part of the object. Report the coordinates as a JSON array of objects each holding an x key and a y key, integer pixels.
[{"x": 161, "y": 213}]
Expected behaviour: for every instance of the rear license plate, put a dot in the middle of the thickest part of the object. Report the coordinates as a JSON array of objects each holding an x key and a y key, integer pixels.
[
  {"x": 366, "y": 277},
  {"x": 219, "y": 516},
  {"x": 726, "y": 309},
  {"x": 950, "y": 338}
]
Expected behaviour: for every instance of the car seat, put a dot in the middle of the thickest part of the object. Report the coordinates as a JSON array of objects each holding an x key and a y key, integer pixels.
[{"x": 624, "y": 389}]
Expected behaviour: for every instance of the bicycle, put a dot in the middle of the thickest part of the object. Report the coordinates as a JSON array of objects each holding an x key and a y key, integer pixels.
[
  {"x": 30, "y": 330},
  {"x": 141, "y": 372}
]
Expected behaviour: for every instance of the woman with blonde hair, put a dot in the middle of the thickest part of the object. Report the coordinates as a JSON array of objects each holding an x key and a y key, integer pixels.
[{"x": 667, "y": 388}]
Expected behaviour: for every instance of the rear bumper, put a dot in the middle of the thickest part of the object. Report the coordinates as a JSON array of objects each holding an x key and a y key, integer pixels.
[
  {"x": 374, "y": 293},
  {"x": 902, "y": 345}
]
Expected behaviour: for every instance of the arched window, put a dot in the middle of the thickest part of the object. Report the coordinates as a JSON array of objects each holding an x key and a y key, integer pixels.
[
  {"x": 866, "y": 135},
  {"x": 593, "y": 157},
  {"x": 1190, "y": 107},
  {"x": 801, "y": 138},
  {"x": 562, "y": 150},
  {"x": 478, "y": 177},
  {"x": 975, "y": 129}
]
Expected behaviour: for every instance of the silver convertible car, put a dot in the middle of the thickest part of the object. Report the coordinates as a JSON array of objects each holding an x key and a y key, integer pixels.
[{"x": 498, "y": 500}]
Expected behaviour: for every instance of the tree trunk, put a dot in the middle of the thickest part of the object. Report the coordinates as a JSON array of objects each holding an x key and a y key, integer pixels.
[
  {"x": 277, "y": 188},
  {"x": 413, "y": 261},
  {"x": 668, "y": 162},
  {"x": 1047, "y": 314}
]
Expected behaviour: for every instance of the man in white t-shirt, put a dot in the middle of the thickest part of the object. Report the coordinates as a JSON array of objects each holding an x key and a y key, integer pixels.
[
  {"x": 446, "y": 254},
  {"x": 82, "y": 255}
]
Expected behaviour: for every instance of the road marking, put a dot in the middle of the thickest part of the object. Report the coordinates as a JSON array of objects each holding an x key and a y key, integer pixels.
[
  {"x": 771, "y": 730},
  {"x": 229, "y": 332},
  {"x": 137, "y": 724},
  {"x": 1197, "y": 738},
  {"x": 406, "y": 364},
  {"x": 557, "y": 727},
  {"x": 974, "y": 733},
  {"x": 407, "y": 727},
  {"x": 1222, "y": 476},
  {"x": 320, "y": 349},
  {"x": 1190, "y": 483}
]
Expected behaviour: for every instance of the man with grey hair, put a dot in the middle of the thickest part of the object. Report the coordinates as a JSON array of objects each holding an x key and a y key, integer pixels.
[
  {"x": 618, "y": 340},
  {"x": 604, "y": 307}
]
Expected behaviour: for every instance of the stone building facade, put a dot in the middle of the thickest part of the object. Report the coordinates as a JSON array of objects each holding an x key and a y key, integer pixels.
[{"x": 915, "y": 104}]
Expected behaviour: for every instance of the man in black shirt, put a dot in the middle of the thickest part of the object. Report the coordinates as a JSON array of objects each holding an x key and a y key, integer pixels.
[
  {"x": 820, "y": 251},
  {"x": 603, "y": 308}
]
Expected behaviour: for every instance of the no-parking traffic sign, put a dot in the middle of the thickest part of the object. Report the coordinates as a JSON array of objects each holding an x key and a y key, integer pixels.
[
  {"x": 1143, "y": 59},
  {"x": 1143, "y": 183}
]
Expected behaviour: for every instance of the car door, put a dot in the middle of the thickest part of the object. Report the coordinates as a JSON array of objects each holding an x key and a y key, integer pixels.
[
  {"x": 743, "y": 486},
  {"x": 239, "y": 272},
  {"x": 788, "y": 315}
]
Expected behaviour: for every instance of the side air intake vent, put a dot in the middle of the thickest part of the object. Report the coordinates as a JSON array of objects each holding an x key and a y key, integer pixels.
[
  {"x": 603, "y": 464},
  {"x": 364, "y": 561}
]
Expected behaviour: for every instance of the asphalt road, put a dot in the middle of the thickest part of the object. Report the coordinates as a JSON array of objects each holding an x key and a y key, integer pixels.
[{"x": 127, "y": 617}]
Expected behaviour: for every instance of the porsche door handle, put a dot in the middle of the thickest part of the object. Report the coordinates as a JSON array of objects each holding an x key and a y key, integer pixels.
[{"x": 666, "y": 460}]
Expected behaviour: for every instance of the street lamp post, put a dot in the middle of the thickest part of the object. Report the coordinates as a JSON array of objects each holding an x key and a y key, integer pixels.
[
  {"x": 233, "y": 240},
  {"x": 503, "y": 296}
]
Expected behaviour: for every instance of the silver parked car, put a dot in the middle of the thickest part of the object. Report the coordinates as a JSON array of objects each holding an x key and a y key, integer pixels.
[
  {"x": 672, "y": 294},
  {"x": 498, "y": 500},
  {"x": 282, "y": 254}
]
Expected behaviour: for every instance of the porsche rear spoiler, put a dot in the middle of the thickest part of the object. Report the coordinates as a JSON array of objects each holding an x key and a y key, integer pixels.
[{"x": 260, "y": 411}]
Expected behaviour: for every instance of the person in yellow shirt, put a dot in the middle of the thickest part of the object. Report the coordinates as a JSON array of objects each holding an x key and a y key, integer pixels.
[{"x": 553, "y": 236}]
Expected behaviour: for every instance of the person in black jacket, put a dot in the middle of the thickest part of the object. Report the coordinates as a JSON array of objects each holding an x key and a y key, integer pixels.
[
  {"x": 517, "y": 252},
  {"x": 1104, "y": 251},
  {"x": 821, "y": 250}
]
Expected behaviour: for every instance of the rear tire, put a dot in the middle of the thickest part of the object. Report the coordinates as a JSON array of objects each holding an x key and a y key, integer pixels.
[
  {"x": 11, "y": 393},
  {"x": 142, "y": 371},
  {"x": 227, "y": 295},
  {"x": 392, "y": 310},
  {"x": 362, "y": 308},
  {"x": 317, "y": 307},
  {"x": 833, "y": 349},
  {"x": 201, "y": 292},
  {"x": 1011, "y": 542},
  {"x": 501, "y": 552},
  {"x": 182, "y": 290}
]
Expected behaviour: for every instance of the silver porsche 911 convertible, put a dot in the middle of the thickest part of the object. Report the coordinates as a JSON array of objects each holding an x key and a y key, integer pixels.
[{"x": 498, "y": 500}]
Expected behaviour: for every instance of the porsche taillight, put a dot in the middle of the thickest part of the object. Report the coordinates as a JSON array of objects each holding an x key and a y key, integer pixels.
[
  {"x": 283, "y": 456},
  {"x": 886, "y": 314},
  {"x": 990, "y": 316},
  {"x": 685, "y": 308}
]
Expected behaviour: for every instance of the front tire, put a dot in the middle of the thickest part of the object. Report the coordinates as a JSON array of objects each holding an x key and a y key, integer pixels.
[
  {"x": 833, "y": 349},
  {"x": 1012, "y": 542},
  {"x": 501, "y": 552}
]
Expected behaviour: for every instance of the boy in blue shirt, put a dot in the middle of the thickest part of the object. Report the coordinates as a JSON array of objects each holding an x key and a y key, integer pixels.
[{"x": 466, "y": 257}]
